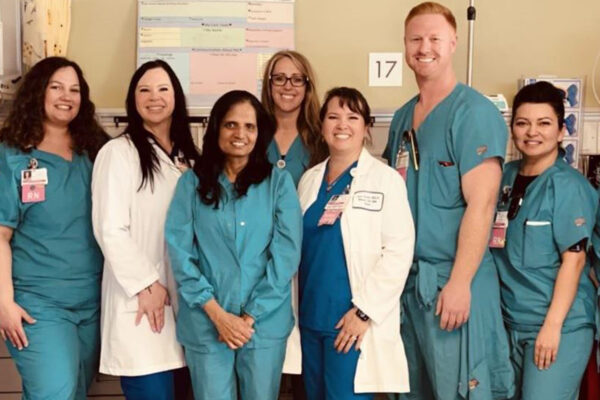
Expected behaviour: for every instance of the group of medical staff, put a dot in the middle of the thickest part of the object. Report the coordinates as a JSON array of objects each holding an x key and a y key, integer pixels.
[{"x": 284, "y": 246}]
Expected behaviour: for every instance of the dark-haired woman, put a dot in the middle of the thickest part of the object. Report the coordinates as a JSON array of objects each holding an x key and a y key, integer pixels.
[
  {"x": 356, "y": 255},
  {"x": 543, "y": 227},
  {"x": 133, "y": 182},
  {"x": 234, "y": 236},
  {"x": 50, "y": 264}
]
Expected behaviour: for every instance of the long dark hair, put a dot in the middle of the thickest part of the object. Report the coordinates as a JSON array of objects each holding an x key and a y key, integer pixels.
[
  {"x": 24, "y": 126},
  {"x": 212, "y": 160},
  {"x": 179, "y": 134}
]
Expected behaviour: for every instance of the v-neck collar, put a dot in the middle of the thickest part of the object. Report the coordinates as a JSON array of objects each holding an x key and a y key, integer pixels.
[{"x": 450, "y": 96}]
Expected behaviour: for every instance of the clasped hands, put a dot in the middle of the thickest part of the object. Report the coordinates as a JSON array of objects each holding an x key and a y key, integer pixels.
[{"x": 235, "y": 331}]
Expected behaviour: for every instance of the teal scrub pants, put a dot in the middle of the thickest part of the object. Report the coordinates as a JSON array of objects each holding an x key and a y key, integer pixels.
[
  {"x": 560, "y": 381},
  {"x": 256, "y": 373},
  {"x": 424, "y": 340},
  {"x": 62, "y": 357}
]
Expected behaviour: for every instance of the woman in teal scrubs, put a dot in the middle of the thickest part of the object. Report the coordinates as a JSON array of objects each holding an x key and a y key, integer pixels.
[
  {"x": 548, "y": 299},
  {"x": 289, "y": 95},
  {"x": 234, "y": 232},
  {"x": 50, "y": 265}
]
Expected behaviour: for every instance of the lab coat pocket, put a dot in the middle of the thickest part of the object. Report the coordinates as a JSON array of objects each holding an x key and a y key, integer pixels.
[
  {"x": 445, "y": 185},
  {"x": 538, "y": 244}
]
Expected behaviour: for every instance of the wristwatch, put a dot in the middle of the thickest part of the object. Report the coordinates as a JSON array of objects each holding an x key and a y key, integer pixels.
[{"x": 361, "y": 315}]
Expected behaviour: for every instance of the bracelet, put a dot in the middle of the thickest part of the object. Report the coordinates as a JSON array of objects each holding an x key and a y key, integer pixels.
[{"x": 361, "y": 315}]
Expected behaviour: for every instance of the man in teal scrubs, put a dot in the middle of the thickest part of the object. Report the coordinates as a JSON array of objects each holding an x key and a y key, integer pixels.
[
  {"x": 449, "y": 143},
  {"x": 56, "y": 272}
]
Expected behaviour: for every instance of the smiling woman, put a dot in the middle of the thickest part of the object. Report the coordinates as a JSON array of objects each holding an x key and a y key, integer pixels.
[
  {"x": 233, "y": 232},
  {"x": 547, "y": 295},
  {"x": 50, "y": 283},
  {"x": 349, "y": 300},
  {"x": 289, "y": 96},
  {"x": 133, "y": 182}
]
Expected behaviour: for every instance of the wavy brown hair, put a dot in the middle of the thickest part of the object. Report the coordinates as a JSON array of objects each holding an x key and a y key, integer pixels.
[
  {"x": 24, "y": 126},
  {"x": 308, "y": 123}
]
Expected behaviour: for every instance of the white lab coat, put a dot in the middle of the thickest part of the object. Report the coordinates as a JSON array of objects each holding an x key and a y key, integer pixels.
[
  {"x": 129, "y": 227},
  {"x": 378, "y": 237}
]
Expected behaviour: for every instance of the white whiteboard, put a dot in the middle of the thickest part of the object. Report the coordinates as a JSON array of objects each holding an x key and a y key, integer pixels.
[{"x": 214, "y": 46}]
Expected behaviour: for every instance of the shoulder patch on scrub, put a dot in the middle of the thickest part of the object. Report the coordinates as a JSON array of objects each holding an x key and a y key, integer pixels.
[
  {"x": 473, "y": 383},
  {"x": 580, "y": 222},
  {"x": 481, "y": 150}
]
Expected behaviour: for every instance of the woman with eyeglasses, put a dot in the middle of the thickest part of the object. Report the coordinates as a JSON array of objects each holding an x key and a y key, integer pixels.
[
  {"x": 542, "y": 229},
  {"x": 289, "y": 95}
]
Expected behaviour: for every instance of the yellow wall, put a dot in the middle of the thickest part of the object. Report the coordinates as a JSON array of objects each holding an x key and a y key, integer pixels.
[{"x": 513, "y": 38}]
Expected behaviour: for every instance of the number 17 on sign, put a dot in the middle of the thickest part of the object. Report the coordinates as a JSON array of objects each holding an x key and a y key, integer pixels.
[{"x": 385, "y": 69}]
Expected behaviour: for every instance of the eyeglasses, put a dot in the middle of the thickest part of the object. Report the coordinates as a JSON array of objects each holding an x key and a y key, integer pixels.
[
  {"x": 411, "y": 136},
  {"x": 295, "y": 80}
]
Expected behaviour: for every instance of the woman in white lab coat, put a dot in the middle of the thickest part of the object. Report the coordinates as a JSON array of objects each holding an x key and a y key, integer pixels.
[
  {"x": 133, "y": 181},
  {"x": 356, "y": 255}
]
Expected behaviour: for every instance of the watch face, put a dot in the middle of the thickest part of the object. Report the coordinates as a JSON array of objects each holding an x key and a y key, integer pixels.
[{"x": 362, "y": 315}]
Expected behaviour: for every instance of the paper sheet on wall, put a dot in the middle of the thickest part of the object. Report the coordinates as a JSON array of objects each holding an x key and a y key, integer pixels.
[{"x": 214, "y": 46}]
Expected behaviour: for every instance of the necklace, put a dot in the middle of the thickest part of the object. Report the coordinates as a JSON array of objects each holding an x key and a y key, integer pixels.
[{"x": 332, "y": 184}]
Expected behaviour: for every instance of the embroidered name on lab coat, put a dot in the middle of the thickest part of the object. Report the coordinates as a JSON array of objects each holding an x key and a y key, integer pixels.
[{"x": 371, "y": 201}]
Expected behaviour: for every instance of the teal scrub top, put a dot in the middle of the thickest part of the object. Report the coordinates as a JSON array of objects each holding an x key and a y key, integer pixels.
[
  {"x": 461, "y": 132},
  {"x": 296, "y": 160},
  {"x": 243, "y": 254},
  {"x": 558, "y": 211},
  {"x": 595, "y": 255},
  {"x": 55, "y": 258}
]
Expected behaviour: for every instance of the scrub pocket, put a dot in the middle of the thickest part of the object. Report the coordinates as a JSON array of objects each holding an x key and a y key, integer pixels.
[
  {"x": 445, "y": 185},
  {"x": 538, "y": 246}
]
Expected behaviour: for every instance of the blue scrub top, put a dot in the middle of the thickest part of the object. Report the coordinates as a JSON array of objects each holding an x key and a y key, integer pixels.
[
  {"x": 558, "y": 211},
  {"x": 461, "y": 132},
  {"x": 296, "y": 160},
  {"x": 55, "y": 258},
  {"x": 243, "y": 254},
  {"x": 325, "y": 294}
]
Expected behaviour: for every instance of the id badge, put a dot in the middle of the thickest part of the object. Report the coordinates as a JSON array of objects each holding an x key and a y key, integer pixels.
[
  {"x": 498, "y": 238},
  {"x": 37, "y": 176},
  {"x": 402, "y": 162},
  {"x": 333, "y": 209},
  {"x": 33, "y": 193}
]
